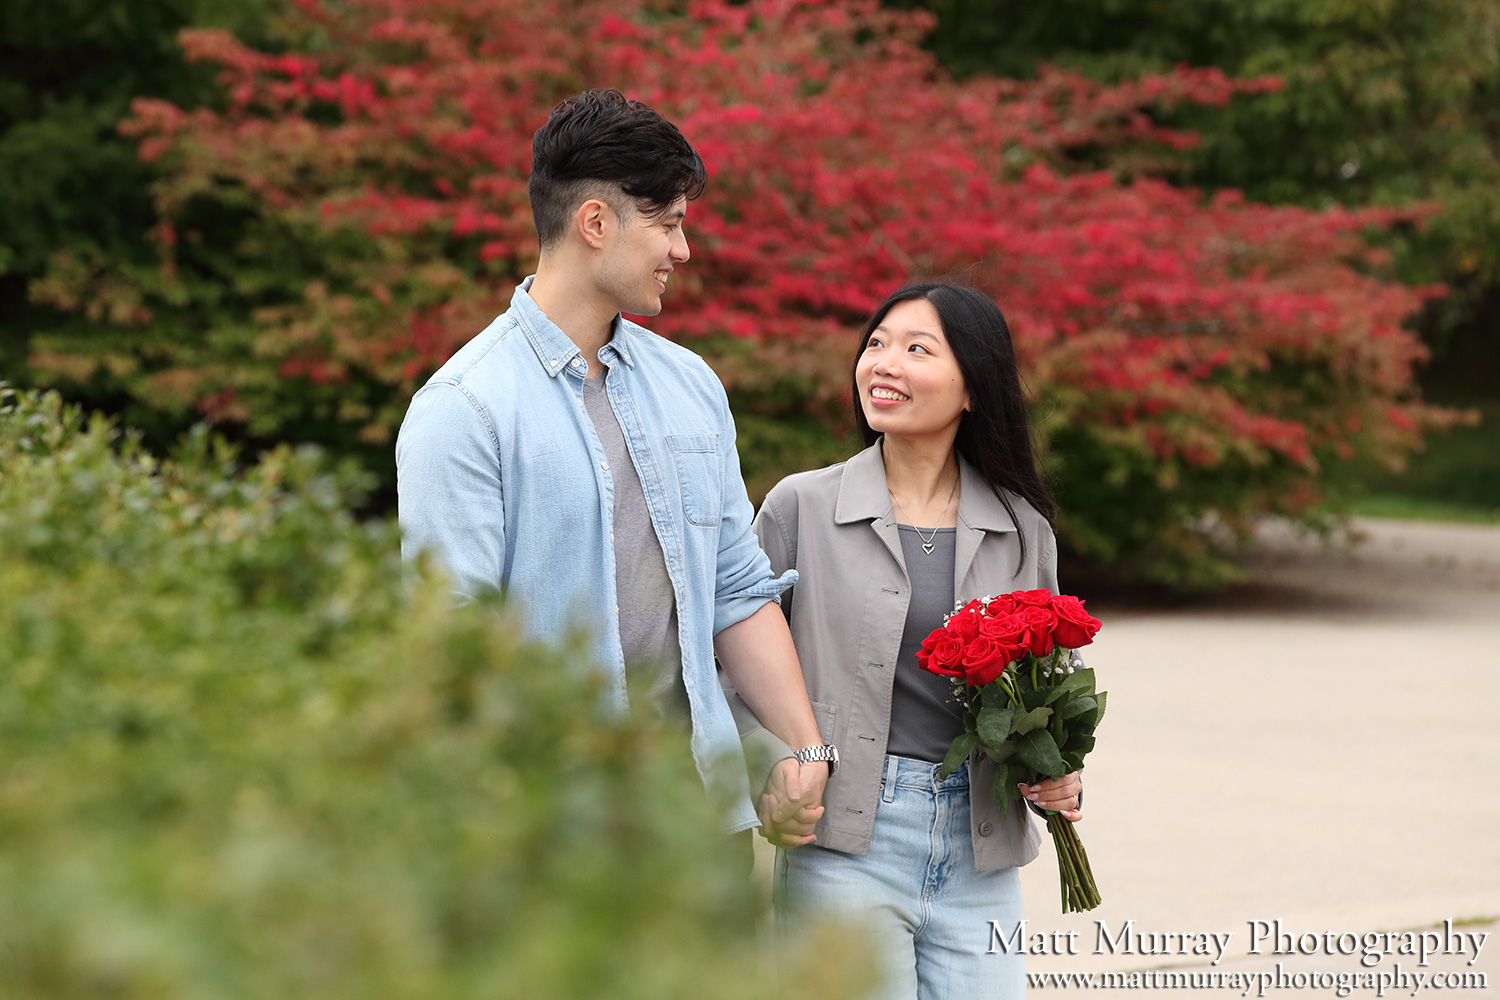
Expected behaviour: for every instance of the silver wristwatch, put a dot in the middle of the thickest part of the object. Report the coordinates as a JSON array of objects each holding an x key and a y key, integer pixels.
[{"x": 827, "y": 752}]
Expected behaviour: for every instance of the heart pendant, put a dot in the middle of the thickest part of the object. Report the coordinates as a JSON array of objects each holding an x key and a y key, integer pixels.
[{"x": 927, "y": 547}]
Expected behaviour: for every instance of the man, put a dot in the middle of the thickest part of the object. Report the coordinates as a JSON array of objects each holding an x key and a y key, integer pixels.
[{"x": 588, "y": 467}]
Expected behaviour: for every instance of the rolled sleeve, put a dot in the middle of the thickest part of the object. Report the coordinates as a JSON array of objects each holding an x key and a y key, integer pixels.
[
  {"x": 450, "y": 497},
  {"x": 743, "y": 581}
]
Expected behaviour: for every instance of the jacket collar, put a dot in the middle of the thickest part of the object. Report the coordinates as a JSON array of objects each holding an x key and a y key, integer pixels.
[
  {"x": 864, "y": 495},
  {"x": 555, "y": 349}
]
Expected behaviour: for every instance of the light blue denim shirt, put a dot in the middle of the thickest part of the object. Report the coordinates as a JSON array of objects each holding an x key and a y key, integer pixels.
[{"x": 501, "y": 475}]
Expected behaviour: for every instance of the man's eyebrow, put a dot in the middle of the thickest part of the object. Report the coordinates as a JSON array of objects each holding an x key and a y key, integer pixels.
[{"x": 675, "y": 215}]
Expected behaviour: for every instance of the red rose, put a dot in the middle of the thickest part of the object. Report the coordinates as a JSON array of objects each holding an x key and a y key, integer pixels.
[
  {"x": 983, "y": 660},
  {"x": 1036, "y": 598},
  {"x": 1041, "y": 622},
  {"x": 943, "y": 655},
  {"x": 965, "y": 621},
  {"x": 1075, "y": 626},
  {"x": 1009, "y": 632},
  {"x": 1001, "y": 606}
]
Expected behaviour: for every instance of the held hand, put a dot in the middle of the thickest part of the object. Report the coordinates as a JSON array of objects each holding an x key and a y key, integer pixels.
[
  {"x": 792, "y": 802},
  {"x": 1063, "y": 795}
]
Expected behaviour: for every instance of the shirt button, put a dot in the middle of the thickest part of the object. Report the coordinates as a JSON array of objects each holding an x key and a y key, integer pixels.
[
  {"x": 604, "y": 465},
  {"x": 611, "y": 538},
  {"x": 986, "y": 828}
]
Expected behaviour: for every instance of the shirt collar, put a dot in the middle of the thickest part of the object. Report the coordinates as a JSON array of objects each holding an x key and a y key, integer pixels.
[
  {"x": 864, "y": 494},
  {"x": 555, "y": 349}
]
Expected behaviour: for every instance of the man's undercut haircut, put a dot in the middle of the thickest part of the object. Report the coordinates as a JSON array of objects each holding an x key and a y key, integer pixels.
[{"x": 601, "y": 145}]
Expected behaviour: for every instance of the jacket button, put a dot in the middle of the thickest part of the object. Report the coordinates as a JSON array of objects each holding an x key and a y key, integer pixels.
[{"x": 986, "y": 828}]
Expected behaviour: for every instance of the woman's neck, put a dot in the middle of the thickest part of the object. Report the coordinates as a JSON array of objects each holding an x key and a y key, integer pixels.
[{"x": 923, "y": 476}]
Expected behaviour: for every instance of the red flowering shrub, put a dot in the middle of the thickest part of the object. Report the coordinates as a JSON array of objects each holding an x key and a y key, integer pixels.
[{"x": 1194, "y": 363}]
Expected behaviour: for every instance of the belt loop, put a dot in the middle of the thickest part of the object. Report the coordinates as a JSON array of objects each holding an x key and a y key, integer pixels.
[{"x": 890, "y": 779}]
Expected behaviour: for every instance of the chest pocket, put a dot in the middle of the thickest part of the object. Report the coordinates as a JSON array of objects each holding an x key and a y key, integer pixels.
[{"x": 699, "y": 474}]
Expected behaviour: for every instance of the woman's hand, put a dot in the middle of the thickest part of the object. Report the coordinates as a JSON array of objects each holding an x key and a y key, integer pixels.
[
  {"x": 1063, "y": 795},
  {"x": 788, "y": 822}
]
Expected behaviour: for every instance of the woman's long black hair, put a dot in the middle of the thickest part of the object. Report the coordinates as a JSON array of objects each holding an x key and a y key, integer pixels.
[{"x": 993, "y": 435}]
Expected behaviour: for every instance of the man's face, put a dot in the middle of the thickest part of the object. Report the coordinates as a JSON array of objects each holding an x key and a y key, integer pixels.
[{"x": 639, "y": 257}]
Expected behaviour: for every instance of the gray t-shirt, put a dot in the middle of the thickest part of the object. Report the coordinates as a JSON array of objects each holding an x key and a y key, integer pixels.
[
  {"x": 925, "y": 715},
  {"x": 648, "y": 609}
]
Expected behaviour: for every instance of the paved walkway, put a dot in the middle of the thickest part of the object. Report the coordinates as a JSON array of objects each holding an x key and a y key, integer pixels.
[{"x": 1320, "y": 747}]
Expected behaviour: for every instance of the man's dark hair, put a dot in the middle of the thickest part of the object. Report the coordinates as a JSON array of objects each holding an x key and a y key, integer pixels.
[{"x": 600, "y": 145}]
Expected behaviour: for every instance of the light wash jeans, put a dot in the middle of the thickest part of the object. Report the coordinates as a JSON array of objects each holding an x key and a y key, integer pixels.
[{"x": 926, "y": 909}]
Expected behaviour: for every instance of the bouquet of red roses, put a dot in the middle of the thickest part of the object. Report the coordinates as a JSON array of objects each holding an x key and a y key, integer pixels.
[{"x": 1029, "y": 704}]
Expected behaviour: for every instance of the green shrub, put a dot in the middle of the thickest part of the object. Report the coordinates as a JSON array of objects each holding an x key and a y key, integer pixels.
[{"x": 244, "y": 754}]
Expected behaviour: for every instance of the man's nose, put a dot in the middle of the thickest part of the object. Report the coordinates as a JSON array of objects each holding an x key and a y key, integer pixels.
[{"x": 680, "y": 252}]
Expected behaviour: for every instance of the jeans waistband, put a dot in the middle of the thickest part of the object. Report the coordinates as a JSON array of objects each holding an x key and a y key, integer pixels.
[{"x": 908, "y": 772}]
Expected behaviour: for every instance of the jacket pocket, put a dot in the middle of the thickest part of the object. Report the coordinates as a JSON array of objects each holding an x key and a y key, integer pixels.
[
  {"x": 696, "y": 457},
  {"x": 828, "y": 717}
]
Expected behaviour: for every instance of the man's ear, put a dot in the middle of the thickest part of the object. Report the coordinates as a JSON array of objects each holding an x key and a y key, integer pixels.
[{"x": 594, "y": 219}]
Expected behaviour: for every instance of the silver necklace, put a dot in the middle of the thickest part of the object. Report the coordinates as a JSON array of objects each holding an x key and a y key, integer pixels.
[{"x": 926, "y": 539}]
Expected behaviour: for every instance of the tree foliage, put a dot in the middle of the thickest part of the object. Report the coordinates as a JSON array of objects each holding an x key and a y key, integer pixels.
[
  {"x": 357, "y": 209},
  {"x": 1388, "y": 102},
  {"x": 71, "y": 187},
  {"x": 243, "y": 755}
]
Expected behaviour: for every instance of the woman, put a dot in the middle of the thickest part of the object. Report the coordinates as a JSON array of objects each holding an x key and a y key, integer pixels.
[{"x": 945, "y": 503}]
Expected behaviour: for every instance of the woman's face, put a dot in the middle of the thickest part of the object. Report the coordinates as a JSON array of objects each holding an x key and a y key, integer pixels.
[{"x": 908, "y": 379}]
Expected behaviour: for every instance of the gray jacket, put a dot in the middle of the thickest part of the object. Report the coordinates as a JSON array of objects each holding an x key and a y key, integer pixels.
[{"x": 847, "y": 611}]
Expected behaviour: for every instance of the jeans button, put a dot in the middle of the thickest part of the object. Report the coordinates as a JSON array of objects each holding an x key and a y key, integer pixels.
[{"x": 986, "y": 828}]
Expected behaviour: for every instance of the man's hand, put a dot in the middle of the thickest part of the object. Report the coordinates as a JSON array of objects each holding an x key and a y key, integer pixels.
[{"x": 792, "y": 802}]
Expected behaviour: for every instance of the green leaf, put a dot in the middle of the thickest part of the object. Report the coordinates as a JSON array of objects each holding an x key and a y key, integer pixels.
[
  {"x": 994, "y": 696},
  {"x": 1073, "y": 759},
  {"x": 1076, "y": 707},
  {"x": 1003, "y": 789},
  {"x": 1034, "y": 719},
  {"x": 1081, "y": 742},
  {"x": 958, "y": 752},
  {"x": 1001, "y": 753},
  {"x": 1078, "y": 682},
  {"x": 1100, "y": 717},
  {"x": 1038, "y": 750},
  {"x": 995, "y": 725}
]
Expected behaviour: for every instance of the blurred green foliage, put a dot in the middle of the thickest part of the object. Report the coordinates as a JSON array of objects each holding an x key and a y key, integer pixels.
[
  {"x": 74, "y": 193},
  {"x": 1385, "y": 102},
  {"x": 244, "y": 753}
]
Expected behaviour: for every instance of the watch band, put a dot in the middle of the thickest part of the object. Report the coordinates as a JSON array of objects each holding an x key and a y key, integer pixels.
[{"x": 827, "y": 752}]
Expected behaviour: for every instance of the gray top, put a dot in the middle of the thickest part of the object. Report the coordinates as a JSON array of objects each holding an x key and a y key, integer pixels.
[
  {"x": 648, "y": 609},
  {"x": 925, "y": 715}
]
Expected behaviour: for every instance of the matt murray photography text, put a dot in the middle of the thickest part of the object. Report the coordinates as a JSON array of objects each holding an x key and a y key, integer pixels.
[{"x": 1265, "y": 937}]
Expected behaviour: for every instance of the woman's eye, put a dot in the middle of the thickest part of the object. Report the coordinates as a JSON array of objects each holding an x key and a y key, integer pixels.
[
  {"x": 918, "y": 347},
  {"x": 873, "y": 343}
]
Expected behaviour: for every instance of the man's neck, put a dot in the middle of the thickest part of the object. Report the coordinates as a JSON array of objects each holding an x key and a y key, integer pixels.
[{"x": 564, "y": 294}]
